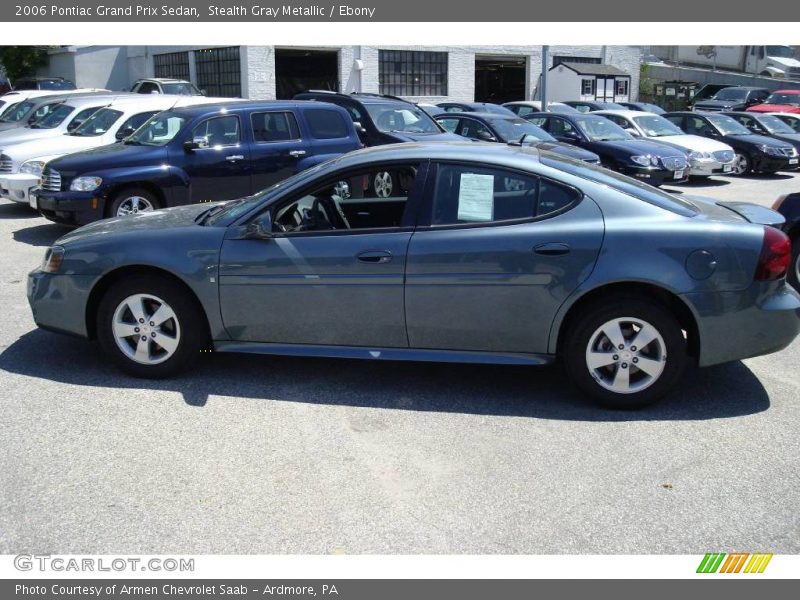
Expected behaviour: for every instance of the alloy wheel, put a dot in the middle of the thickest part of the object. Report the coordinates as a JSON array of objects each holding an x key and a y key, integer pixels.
[
  {"x": 740, "y": 164},
  {"x": 146, "y": 329},
  {"x": 134, "y": 205},
  {"x": 626, "y": 355},
  {"x": 383, "y": 184}
]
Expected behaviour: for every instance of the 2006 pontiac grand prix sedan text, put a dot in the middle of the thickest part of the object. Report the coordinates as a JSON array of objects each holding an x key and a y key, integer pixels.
[{"x": 483, "y": 253}]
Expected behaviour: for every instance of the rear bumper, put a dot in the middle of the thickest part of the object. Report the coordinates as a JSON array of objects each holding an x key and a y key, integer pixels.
[
  {"x": 774, "y": 163},
  {"x": 655, "y": 176},
  {"x": 17, "y": 186},
  {"x": 760, "y": 320},
  {"x": 70, "y": 208}
]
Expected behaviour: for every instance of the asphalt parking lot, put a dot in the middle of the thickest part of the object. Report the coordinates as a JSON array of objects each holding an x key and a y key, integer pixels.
[{"x": 255, "y": 455}]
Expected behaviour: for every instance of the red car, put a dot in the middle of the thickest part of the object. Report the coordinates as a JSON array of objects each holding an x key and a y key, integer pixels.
[{"x": 785, "y": 101}]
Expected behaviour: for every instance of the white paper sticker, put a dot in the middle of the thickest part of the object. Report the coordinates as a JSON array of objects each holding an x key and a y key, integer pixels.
[{"x": 476, "y": 197}]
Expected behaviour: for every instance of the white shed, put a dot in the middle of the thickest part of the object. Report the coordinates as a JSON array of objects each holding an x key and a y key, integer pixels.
[{"x": 586, "y": 81}]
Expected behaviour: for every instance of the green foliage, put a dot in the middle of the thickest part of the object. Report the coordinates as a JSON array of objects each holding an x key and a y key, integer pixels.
[{"x": 20, "y": 61}]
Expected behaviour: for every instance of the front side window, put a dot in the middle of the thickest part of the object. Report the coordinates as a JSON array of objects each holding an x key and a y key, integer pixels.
[
  {"x": 375, "y": 198},
  {"x": 397, "y": 117},
  {"x": 326, "y": 124},
  {"x": 600, "y": 129},
  {"x": 474, "y": 130},
  {"x": 133, "y": 123},
  {"x": 560, "y": 127},
  {"x": 98, "y": 123},
  {"x": 81, "y": 117},
  {"x": 55, "y": 118},
  {"x": 220, "y": 131},
  {"x": 449, "y": 124},
  {"x": 159, "y": 130},
  {"x": 727, "y": 126},
  {"x": 513, "y": 130},
  {"x": 466, "y": 194},
  {"x": 147, "y": 87},
  {"x": 274, "y": 127}
]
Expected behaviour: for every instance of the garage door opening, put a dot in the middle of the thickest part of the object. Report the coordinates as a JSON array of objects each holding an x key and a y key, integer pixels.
[
  {"x": 301, "y": 70},
  {"x": 499, "y": 79}
]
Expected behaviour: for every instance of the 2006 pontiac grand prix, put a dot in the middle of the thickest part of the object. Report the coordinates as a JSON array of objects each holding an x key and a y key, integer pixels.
[{"x": 472, "y": 252}]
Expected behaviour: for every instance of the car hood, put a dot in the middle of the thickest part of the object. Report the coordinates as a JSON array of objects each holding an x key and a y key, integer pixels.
[
  {"x": 159, "y": 220},
  {"x": 639, "y": 146},
  {"x": 56, "y": 145},
  {"x": 692, "y": 143},
  {"x": 754, "y": 138},
  {"x": 405, "y": 136},
  {"x": 23, "y": 134},
  {"x": 567, "y": 150},
  {"x": 767, "y": 108},
  {"x": 109, "y": 156}
]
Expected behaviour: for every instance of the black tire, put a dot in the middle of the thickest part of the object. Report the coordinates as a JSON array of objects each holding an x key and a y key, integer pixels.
[
  {"x": 125, "y": 194},
  {"x": 193, "y": 329},
  {"x": 582, "y": 332},
  {"x": 793, "y": 274}
]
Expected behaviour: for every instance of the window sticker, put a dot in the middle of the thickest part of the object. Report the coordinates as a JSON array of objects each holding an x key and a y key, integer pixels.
[{"x": 476, "y": 197}]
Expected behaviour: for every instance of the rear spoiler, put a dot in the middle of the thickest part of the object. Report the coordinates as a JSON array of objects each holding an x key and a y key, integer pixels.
[{"x": 755, "y": 213}]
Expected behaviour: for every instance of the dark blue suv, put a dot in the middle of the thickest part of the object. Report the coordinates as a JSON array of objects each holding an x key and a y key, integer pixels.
[{"x": 195, "y": 154}]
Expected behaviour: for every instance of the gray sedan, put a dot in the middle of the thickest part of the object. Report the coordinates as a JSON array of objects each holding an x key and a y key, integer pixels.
[{"x": 481, "y": 253}]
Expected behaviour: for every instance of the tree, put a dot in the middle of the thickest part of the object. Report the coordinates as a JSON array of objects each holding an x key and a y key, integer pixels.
[{"x": 19, "y": 61}]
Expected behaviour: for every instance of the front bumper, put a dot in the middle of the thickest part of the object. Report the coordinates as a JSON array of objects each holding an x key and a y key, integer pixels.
[
  {"x": 655, "y": 175},
  {"x": 765, "y": 162},
  {"x": 17, "y": 186},
  {"x": 762, "y": 319},
  {"x": 708, "y": 167},
  {"x": 58, "y": 302},
  {"x": 70, "y": 208}
]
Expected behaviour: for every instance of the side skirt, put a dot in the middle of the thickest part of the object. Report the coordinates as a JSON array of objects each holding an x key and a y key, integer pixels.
[{"x": 363, "y": 352}]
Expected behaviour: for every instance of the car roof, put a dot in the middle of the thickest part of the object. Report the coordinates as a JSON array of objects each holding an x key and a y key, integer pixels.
[
  {"x": 241, "y": 105},
  {"x": 746, "y": 87},
  {"x": 623, "y": 113},
  {"x": 362, "y": 97},
  {"x": 162, "y": 80},
  {"x": 479, "y": 115},
  {"x": 786, "y": 91}
]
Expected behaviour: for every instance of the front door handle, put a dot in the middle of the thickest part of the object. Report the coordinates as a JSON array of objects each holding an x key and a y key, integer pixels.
[
  {"x": 297, "y": 153},
  {"x": 234, "y": 157},
  {"x": 552, "y": 249},
  {"x": 374, "y": 256}
]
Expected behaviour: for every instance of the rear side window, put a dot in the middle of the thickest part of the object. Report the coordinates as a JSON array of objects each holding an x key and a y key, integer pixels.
[
  {"x": 326, "y": 124},
  {"x": 274, "y": 127},
  {"x": 467, "y": 194}
]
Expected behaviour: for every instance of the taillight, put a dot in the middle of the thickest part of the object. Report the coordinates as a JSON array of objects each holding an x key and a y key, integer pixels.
[{"x": 776, "y": 254}]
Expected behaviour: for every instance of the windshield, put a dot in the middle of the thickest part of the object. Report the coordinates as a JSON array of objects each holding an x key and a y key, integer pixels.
[
  {"x": 774, "y": 124},
  {"x": 727, "y": 125},
  {"x": 600, "y": 129},
  {"x": 512, "y": 130},
  {"x": 780, "y": 51},
  {"x": 619, "y": 182},
  {"x": 180, "y": 89},
  {"x": 655, "y": 126},
  {"x": 159, "y": 130},
  {"x": 98, "y": 123},
  {"x": 16, "y": 112},
  {"x": 395, "y": 117},
  {"x": 730, "y": 94},
  {"x": 54, "y": 118},
  {"x": 784, "y": 98}
]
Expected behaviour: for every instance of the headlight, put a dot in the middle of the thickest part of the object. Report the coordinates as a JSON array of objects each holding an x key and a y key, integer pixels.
[
  {"x": 645, "y": 160},
  {"x": 772, "y": 151},
  {"x": 696, "y": 155},
  {"x": 85, "y": 184},
  {"x": 32, "y": 167},
  {"x": 52, "y": 259}
]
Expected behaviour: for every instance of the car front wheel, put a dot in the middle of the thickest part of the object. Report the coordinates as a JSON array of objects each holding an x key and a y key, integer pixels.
[
  {"x": 132, "y": 201},
  {"x": 626, "y": 352},
  {"x": 741, "y": 164},
  {"x": 150, "y": 326}
]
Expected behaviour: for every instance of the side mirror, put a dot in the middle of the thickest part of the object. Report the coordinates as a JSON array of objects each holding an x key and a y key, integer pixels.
[
  {"x": 485, "y": 136},
  {"x": 261, "y": 228},
  {"x": 124, "y": 132},
  {"x": 196, "y": 143},
  {"x": 359, "y": 127},
  {"x": 569, "y": 136}
]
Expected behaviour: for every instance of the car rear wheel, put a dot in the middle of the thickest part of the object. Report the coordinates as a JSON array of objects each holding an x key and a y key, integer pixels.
[
  {"x": 150, "y": 326},
  {"x": 626, "y": 352},
  {"x": 741, "y": 164},
  {"x": 131, "y": 201}
]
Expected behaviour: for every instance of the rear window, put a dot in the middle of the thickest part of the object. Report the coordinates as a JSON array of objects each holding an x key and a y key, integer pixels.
[
  {"x": 326, "y": 124},
  {"x": 621, "y": 183}
]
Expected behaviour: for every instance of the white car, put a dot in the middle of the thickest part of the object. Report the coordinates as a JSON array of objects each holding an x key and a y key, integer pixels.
[
  {"x": 66, "y": 117},
  {"x": 21, "y": 164},
  {"x": 706, "y": 157},
  {"x": 11, "y": 98},
  {"x": 526, "y": 107}
]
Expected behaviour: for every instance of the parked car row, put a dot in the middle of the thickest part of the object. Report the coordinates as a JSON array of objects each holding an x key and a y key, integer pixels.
[{"x": 507, "y": 229}]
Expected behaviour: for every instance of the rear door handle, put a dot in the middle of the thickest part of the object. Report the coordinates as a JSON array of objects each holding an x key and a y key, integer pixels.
[
  {"x": 297, "y": 153},
  {"x": 234, "y": 157},
  {"x": 552, "y": 249},
  {"x": 374, "y": 256}
]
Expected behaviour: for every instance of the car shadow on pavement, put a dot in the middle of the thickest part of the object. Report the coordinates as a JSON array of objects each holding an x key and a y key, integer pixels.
[
  {"x": 16, "y": 210},
  {"x": 705, "y": 182},
  {"x": 538, "y": 392},
  {"x": 40, "y": 235}
]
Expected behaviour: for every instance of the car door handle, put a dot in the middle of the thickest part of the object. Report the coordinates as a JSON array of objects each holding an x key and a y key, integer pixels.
[
  {"x": 374, "y": 256},
  {"x": 297, "y": 153},
  {"x": 234, "y": 157},
  {"x": 552, "y": 249}
]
